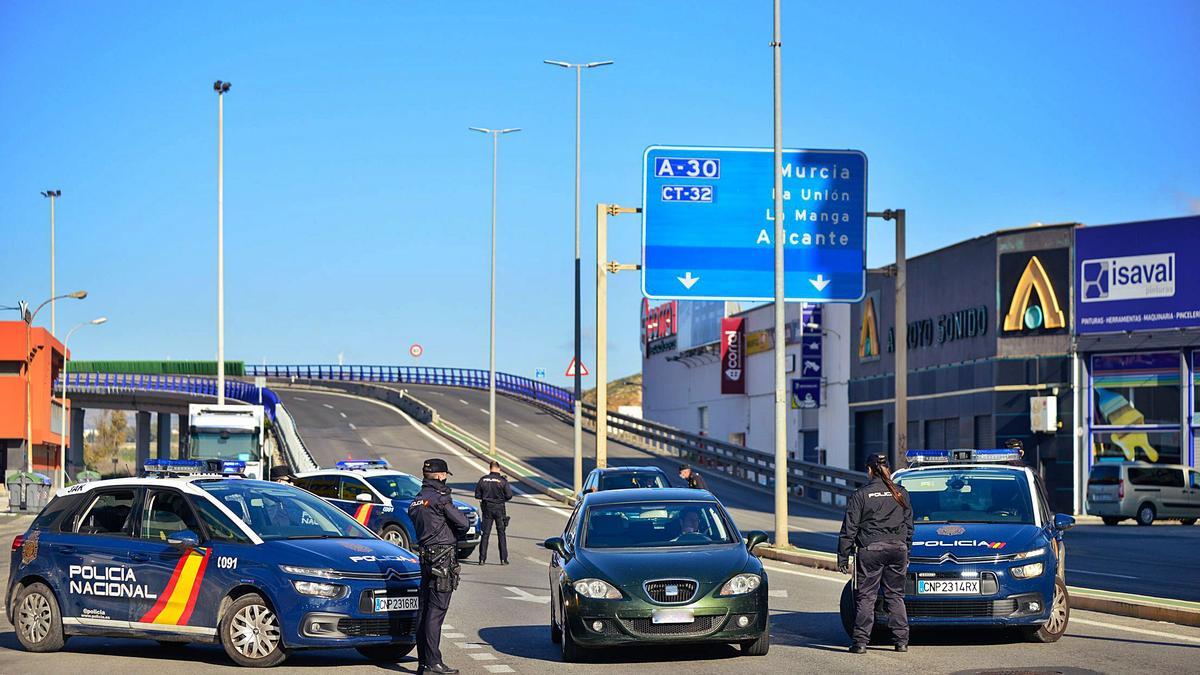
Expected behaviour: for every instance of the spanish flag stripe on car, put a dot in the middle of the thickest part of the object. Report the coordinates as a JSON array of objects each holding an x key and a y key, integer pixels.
[
  {"x": 363, "y": 514},
  {"x": 174, "y": 606}
]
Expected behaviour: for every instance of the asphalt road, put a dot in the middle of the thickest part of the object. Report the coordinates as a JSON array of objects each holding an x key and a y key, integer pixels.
[
  {"x": 497, "y": 620},
  {"x": 1161, "y": 560}
]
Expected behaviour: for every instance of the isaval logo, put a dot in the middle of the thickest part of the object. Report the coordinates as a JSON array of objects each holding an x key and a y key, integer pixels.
[
  {"x": 1022, "y": 313},
  {"x": 1135, "y": 277}
]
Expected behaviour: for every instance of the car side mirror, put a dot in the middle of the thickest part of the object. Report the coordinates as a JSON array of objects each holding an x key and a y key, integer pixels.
[
  {"x": 184, "y": 539},
  {"x": 557, "y": 545},
  {"x": 1063, "y": 522},
  {"x": 754, "y": 538},
  {"x": 364, "y": 497}
]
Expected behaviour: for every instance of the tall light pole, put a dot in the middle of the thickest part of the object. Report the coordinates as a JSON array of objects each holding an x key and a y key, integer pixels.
[
  {"x": 495, "y": 133},
  {"x": 52, "y": 195},
  {"x": 578, "y": 472},
  {"x": 781, "y": 469},
  {"x": 29, "y": 317},
  {"x": 61, "y": 477},
  {"x": 221, "y": 88}
]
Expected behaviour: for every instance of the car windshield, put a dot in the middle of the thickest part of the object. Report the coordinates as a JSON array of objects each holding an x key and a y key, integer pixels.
[
  {"x": 968, "y": 496},
  {"x": 656, "y": 525},
  {"x": 396, "y": 486},
  {"x": 632, "y": 479},
  {"x": 277, "y": 511}
]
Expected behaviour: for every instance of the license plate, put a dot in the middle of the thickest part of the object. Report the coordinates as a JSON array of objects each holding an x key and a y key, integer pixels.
[
  {"x": 672, "y": 616},
  {"x": 948, "y": 587},
  {"x": 396, "y": 604},
  {"x": 470, "y": 530}
]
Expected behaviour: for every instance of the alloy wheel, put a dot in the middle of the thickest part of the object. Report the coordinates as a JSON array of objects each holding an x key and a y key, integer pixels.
[
  {"x": 33, "y": 617},
  {"x": 1057, "y": 622},
  {"x": 255, "y": 632}
]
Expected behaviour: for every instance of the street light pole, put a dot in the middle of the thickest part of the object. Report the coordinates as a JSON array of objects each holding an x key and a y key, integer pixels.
[
  {"x": 61, "y": 477},
  {"x": 495, "y": 133},
  {"x": 221, "y": 88},
  {"x": 578, "y": 469},
  {"x": 781, "y": 469},
  {"x": 52, "y": 195},
  {"x": 900, "y": 380}
]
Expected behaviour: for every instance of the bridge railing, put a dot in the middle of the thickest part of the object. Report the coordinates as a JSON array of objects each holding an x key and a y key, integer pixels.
[
  {"x": 815, "y": 481},
  {"x": 188, "y": 385},
  {"x": 297, "y": 454}
]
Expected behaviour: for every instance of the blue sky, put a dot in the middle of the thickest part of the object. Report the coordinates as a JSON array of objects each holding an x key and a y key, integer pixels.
[{"x": 357, "y": 203}]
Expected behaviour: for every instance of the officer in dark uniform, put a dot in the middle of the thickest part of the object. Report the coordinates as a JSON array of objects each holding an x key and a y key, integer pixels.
[
  {"x": 493, "y": 491},
  {"x": 1016, "y": 445},
  {"x": 694, "y": 479},
  {"x": 437, "y": 519},
  {"x": 879, "y": 524}
]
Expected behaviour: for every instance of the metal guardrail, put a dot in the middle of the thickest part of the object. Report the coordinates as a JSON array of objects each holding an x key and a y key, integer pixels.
[
  {"x": 294, "y": 450},
  {"x": 815, "y": 481},
  {"x": 174, "y": 384}
]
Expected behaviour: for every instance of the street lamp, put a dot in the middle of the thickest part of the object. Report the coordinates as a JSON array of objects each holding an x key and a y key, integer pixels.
[
  {"x": 28, "y": 317},
  {"x": 61, "y": 478},
  {"x": 578, "y": 472},
  {"x": 495, "y": 133},
  {"x": 52, "y": 195},
  {"x": 221, "y": 88}
]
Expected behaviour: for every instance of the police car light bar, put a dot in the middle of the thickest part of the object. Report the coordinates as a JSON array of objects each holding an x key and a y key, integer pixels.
[
  {"x": 361, "y": 464},
  {"x": 962, "y": 456},
  {"x": 190, "y": 467}
]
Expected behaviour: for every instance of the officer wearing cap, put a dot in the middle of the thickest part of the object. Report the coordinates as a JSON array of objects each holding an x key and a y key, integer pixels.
[
  {"x": 693, "y": 478},
  {"x": 493, "y": 491},
  {"x": 1017, "y": 446},
  {"x": 436, "y": 519},
  {"x": 879, "y": 525}
]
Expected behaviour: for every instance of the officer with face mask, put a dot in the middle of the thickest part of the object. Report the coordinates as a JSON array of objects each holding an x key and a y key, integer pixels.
[
  {"x": 879, "y": 526},
  {"x": 437, "y": 520}
]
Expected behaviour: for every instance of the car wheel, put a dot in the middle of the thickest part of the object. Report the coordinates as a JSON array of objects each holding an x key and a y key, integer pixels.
[
  {"x": 571, "y": 651},
  {"x": 251, "y": 634},
  {"x": 386, "y": 653},
  {"x": 1060, "y": 615},
  {"x": 847, "y": 609},
  {"x": 1146, "y": 514},
  {"x": 555, "y": 630},
  {"x": 1110, "y": 520},
  {"x": 396, "y": 535},
  {"x": 1188, "y": 521},
  {"x": 464, "y": 553},
  {"x": 37, "y": 618},
  {"x": 759, "y": 646}
]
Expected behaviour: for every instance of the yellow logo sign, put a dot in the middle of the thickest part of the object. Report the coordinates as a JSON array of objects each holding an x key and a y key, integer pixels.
[
  {"x": 1046, "y": 314},
  {"x": 868, "y": 333}
]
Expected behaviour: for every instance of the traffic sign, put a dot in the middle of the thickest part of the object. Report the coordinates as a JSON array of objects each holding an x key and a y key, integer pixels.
[
  {"x": 708, "y": 224},
  {"x": 806, "y": 393},
  {"x": 539, "y": 373},
  {"x": 583, "y": 371},
  {"x": 416, "y": 351}
]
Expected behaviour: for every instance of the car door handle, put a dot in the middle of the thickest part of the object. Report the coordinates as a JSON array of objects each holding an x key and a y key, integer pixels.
[
  {"x": 66, "y": 549},
  {"x": 139, "y": 557}
]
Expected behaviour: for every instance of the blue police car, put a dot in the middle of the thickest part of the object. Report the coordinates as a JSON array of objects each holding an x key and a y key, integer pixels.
[
  {"x": 986, "y": 550},
  {"x": 183, "y": 554},
  {"x": 378, "y": 497}
]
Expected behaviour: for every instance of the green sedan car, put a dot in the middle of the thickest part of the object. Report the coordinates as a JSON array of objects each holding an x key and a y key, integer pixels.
[{"x": 655, "y": 567}]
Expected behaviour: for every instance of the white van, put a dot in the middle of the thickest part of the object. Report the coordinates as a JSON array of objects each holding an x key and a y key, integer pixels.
[{"x": 1145, "y": 492}]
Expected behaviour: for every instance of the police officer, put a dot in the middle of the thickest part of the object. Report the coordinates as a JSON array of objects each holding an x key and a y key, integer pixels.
[
  {"x": 879, "y": 524},
  {"x": 1015, "y": 444},
  {"x": 493, "y": 491},
  {"x": 437, "y": 519},
  {"x": 694, "y": 479}
]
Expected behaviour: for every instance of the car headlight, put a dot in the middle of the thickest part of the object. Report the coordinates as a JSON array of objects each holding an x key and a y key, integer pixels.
[
  {"x": 1028, "y": 571},
  {"x": 740, "y": 584},
  {"x": 309, "y": 571},
  {"x": 319, "y": 589},
  {"x": 597, "y": 589},
  {"x": 1029, "y": 554}
]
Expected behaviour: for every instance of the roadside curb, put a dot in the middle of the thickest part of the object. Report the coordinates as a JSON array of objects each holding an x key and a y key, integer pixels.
[{"x": 1182, "y": 612}]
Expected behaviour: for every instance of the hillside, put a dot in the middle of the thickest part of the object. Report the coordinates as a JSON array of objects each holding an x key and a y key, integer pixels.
[{"x": 625, "y": 391}]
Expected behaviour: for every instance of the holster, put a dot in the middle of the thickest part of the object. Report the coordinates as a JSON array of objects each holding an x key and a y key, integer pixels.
[{"x": 442, "y": 562}]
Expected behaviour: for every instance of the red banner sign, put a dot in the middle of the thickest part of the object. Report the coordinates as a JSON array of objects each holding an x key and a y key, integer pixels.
[
  {"x": 659, "y": 323},
  {"x": 733, "y": 355}
]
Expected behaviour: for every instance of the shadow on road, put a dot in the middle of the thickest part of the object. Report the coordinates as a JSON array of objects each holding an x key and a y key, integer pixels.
[{"x": 533, "y": 642}]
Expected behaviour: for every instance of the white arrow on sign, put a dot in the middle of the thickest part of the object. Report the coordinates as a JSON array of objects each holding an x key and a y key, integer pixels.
[
  {"x": 526, "y": 596},
  {"x": 820, "y": 282},
  {"x": 688, "y": 280}
]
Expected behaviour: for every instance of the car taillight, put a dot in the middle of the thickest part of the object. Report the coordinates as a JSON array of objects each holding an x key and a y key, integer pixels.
[
  {"x": 18, "y": 541},
  {"x": 1121, "y": 489}
]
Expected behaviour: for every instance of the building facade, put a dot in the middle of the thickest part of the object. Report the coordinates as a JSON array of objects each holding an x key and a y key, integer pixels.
[{"x": 33, "y": 356}]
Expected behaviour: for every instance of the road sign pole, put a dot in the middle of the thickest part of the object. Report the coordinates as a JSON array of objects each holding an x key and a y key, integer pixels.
[
  {"x": 601, "y": 337},
  {"x": 900, "y": 377},
  {"x": 577, "y": 473},
  {"x": 781, "y": 472}
]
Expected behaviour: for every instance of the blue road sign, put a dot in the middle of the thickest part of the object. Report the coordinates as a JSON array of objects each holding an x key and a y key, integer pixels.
[
  {"x": 806, "y": 393},
  {"x": 708, "y": 224}
]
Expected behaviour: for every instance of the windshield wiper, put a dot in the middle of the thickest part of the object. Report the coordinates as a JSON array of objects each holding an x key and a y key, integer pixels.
[{"x": 319, "y": 536}]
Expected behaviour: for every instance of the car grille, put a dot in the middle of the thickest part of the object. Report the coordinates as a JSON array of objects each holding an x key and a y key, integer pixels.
[
  {"x": 960, "y": 609},
  {"x": 391, "y": 627},
  {"x": 659, "y": 590},
  {"x": 701, "y": 626}
]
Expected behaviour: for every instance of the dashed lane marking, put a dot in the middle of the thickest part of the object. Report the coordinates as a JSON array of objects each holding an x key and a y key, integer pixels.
[
  {"x": 365, "y": 441},
  {"x": 437, "y": 393},
  {"x": 526, "y": 596},
  {"x": 447, "y": 626},
  {"x": 511, "y": 423},
  {"x": 536, "y": 561},
  {"x": 551, "y": 441},
  {"x": 482, "y": 656},
  {"x": 463, "y": 402},
  {"x": 778, "y": 594},
  {"x": 453, "y": 636},
  {"x": 327, "y": 406},
  {"x": 499, "y": 668},
  {"x": 342, "y": 414},
  {"x": 485, "y": 412},
  {"x": 353, "y": 427},
  {"x": 299, "y": 398},
  {"x": 469, "y": 645}
]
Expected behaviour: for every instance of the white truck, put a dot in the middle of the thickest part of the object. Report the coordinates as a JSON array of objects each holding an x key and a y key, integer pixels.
[{"x": 229, "y": 432}]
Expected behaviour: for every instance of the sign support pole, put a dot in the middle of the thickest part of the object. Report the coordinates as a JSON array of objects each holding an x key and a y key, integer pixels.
[
  {"x": 603, "y": 269},
  {"x": 900, "y": 426},
  {"x": 781, "y": 468}
]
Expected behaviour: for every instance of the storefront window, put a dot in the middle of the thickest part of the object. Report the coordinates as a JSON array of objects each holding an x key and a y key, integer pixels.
[
  {"x": 1161, "y": 447},
  {"x": 1135, "y": 389}
]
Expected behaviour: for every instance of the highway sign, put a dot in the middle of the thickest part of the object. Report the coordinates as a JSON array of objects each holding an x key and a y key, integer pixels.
[
  {"x": 708, "y": 224},
  {"x": 539, "y": 373},
  {"x": 416, "y": 351}
]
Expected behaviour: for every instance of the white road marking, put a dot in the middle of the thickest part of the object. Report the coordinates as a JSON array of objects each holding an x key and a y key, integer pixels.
[
  {"x": 499, "y": 668},
  {"x": 342, "y": 414},
  {"x": 299, "y": 398},
  {"x": 484, "y": 411},
  {"x": 437, "y": 393},
  {"x": 463, "y": 402},
  {"x": 1141, "y": 631},
  {"x": 469, "y": 645},
  {"x": 511, "y": 423},
  {"x": 327, "y": 406},
  {"x": 778, "y": 594},
  {"x": 453, "y": 636},
  {"x": 551, "y": 441},
  {"x": 353, "y": 427},
  {"x": 803, "y": 574},
  {"x": 447, "y": 626},
  {"x": 536, "y": 561},
  {"x": 482, "y": 656},
  {"x": 526, "y": 596},
  {"x": 1101, "y": 574},
  {"x": 365, "y": 441}
]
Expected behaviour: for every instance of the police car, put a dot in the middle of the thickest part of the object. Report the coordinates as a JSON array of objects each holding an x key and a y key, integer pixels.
[
  {"x": 986, "y": 549},
  {"x": 378, "y": 497},
  {"x": 191, "y": 553}
]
